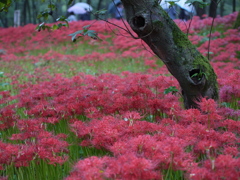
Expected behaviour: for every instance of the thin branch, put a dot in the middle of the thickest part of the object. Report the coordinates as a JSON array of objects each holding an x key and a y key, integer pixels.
[{"x": 210, "y": 35}]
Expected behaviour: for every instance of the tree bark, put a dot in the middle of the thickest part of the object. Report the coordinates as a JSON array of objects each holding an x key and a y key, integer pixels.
[
  {"x": 222, "y": 3},
  {"x": 25, "y": 12},
  {"x": 213, "y": 8},
  {"x": 34, "y": 12},
  {"x": 233, "y": 5},
  {"x": 237, "y": 22},
  {"x": 29, "y": 13},
  {"x": 200, "y": 11},
  {"x": 89, "y": 2},
  {"x": 4, "y": 19},
  {"x": 99, "y": 5},
  {"x": 192, "y": 70}
]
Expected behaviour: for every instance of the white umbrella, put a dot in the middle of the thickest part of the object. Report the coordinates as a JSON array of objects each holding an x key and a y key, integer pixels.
[
  {"x": 181, "y": 3},
  {"x": 164, "y": 4},
  {"x": 77, "y": 10},
  {"x": 85, "y": 6},
  {"x": 80, "y": 8},
  {"x": 188, "y": 7}
]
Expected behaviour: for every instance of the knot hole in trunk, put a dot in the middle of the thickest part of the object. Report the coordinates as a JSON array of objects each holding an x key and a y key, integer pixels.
[
  {"x": 196, "y": 75},
  {"x": 138, "y": 21}
]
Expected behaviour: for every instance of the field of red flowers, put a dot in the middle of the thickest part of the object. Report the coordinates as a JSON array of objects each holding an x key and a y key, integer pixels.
[{"x": 103, "y": 109}]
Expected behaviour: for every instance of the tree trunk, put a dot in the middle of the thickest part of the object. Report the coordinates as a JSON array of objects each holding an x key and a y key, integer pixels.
[
  {"x": 233, "y": 5},
  {"x": 25, "y": 12},
  {"x": 213, "y": 8},
  {"x": 29, "y": 12},
  {"x": 222, "y": 3},
  {"x": 89, "y": 2},
  {"x": 34, "y": 12},
  {"x": 200, "y": 11},
  {"x": 4, "y": 19},
  {"x": 237, "y": 22},
  {"x": 99, "y": 6},
  {"x": 192, "y": 70}
]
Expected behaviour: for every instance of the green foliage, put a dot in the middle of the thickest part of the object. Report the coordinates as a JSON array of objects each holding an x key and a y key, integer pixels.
[
  {"x": 43, "y": 25},
  {"x": 84, "y": 32},
  {"x": 4, "y": 5},
  {"x": 199, "y": 75},
  {"x": 171, "y": 89},
  {"x": 70, "y": 2},
  {"x": 172, "y": 3},
  {"x": 1, "y": 74},
  {"x": 47, "y": 12},
  {"x": 100, "y": 12},
  {"x": 2, "y": 84},
  {"x": 200, "y": 3}
]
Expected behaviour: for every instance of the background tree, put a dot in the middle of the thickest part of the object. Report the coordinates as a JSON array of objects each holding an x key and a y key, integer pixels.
[
  {"x": 37, "y": 6},
  {"x": 213, "y": 8},
  {"x": 237, "y": 22},
  {"x": 233, "y": 5},
  {"x": 201, "y": 10}
]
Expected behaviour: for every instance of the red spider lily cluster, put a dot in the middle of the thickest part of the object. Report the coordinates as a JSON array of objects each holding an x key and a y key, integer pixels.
[{"x": 146, "y": 131}]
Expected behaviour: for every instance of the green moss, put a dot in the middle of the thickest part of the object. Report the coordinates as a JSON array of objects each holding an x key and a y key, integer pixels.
[
  {"x": 158, "y": 24},
  {"x": 180, "y": 39}
]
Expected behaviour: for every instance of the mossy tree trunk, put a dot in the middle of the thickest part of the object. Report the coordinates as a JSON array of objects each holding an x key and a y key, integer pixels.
[{"x": 192, "y": 70}]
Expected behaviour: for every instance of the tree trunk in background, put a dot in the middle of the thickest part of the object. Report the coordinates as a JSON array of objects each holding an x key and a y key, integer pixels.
[
  {"x": 99, "y": 6},
  {"x": 29, "y": 17},
  {"x": 59, "y": 11},
  {"x": 24, "y": 13},
  {"x": 237, "y": 22},
  {"x": 192, "y": 70},
  {"x": 89, "y": 2},
  {"x": 34, "y": 12},
  {"x": 4, "y": 19},
  {"x": 233, "y": 5},
  {"x": 213, "y": 8},
  {"x": 200, "y": 11},
  {"x": 222, "y": 8}
]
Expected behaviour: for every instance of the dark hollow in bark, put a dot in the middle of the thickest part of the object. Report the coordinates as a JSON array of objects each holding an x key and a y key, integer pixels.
[{"x": 192, "y": 70}]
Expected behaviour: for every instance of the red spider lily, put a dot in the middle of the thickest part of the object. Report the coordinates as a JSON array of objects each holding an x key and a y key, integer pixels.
[
  {"x": 123, "y": 167},
  {"x": 201, "y": 143}
]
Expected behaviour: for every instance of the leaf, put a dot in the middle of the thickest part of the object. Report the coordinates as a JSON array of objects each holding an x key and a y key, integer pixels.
[
  {"x": 171, "y": 89},
  {"x": 70, "y": 2},
  {"x": 54, "y": 27},
  {"x": 86, "y": 27},
  {"x": 93, "y": 35},
  {"x": 101, "y": 12},
  {"x": 74, "y": 35},
  {"x": 209, "y": 52},
  {"x": 225, "y": 104},
  {"x": 4, "y": 5},
  {"x": 39, "y": 27},
  {"x": 171, "y": 3},
  {"x": 84, "y": 32},
  {"x": 4, "y": 84},
  {"x": 2, "y": 74},
  {"x": 200, "y": 3},
  {"x": 51, "y": 6},
  {"x": 43, "y": 14},
  {"x": 194, "y": 75},
  {"x": 61, "y": 18}
]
